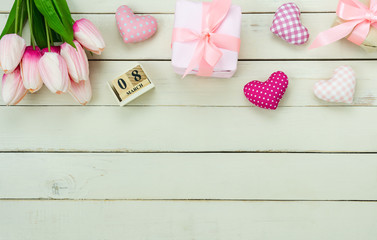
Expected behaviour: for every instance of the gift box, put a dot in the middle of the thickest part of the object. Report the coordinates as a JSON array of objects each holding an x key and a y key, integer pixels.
[
  {"x": 206, "y": 38},
  {"x": 357, "y": 21},
  {"x": 370, "y": 42}
]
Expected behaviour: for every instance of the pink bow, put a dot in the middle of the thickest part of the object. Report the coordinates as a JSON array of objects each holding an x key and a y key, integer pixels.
[
  {"x": 359, "y": 19},
  {"x": 207, "y": 52}
]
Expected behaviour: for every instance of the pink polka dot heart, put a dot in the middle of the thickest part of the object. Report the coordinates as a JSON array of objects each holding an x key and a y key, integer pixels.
[
  {"x": 269, "y": 93},
  {"x": 134, "y": 28}
]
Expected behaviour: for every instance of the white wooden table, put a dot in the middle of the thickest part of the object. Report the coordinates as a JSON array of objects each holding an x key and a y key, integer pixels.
[{"x": 193, "y": 159}]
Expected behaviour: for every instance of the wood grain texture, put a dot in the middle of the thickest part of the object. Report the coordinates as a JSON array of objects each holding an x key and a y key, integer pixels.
[
  {"x": 257, "y": 40},
  {"x": 168, "y": 6},
  {"x": 171, "y": 90},
  {"x": 91, "y": 195},
  {"x": 189, "y": 176},
  {"x": 98, "y": 220},
  {"x": 187, "y": 129}
]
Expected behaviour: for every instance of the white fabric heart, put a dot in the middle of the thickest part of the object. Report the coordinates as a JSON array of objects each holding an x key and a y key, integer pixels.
[{"x": 340, "y": 88}]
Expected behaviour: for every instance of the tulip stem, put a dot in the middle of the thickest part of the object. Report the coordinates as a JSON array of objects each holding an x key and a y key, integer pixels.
[
  {"x": 51, "y": 38},
  {"x": 17, "y": 13},
  {"x": 30, "y": 17},
  {"x": 48, "y": 36}
]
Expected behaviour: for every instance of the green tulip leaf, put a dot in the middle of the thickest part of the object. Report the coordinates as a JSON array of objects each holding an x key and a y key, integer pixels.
[
  {"x": 54, "y": 21},
  {"x": 56, "y": 37},
  {"x": 9, "y": 26},
  {"x": 62, "y": 8},
  {"x": 11, "y": 21},
  {"x": 39, "y": 30},
  {"x": 64, "y": 12},
  {"x": 22, "y": 18}
]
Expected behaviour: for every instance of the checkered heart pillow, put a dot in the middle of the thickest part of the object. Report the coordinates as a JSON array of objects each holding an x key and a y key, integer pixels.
[
  {"x": 287, "y": 25},
  {"x": 340, "y": 88}
]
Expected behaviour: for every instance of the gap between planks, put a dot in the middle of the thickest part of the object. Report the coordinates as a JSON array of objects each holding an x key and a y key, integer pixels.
[
  {"x": 182, "y": 200},
  {"x": 164, "y": 13},
  {"x": 190, "y": 152},
  {"x": 189, "y": 106},
  {"x": 245, "y": 60}
]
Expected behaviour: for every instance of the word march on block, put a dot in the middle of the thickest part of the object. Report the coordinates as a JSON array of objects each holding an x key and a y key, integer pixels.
[{"x": 130, "y": 85}]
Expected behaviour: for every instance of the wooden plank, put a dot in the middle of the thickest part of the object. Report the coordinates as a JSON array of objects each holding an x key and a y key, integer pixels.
[
  {"x": 97, "y": 220},
  {"x": 189, "y": 176},
  {"x": 257, "y": 40},
  {"x": 195, "y": 129},
  {"x": 168, "y": 6},
  {"x": 171, "y": 90}
]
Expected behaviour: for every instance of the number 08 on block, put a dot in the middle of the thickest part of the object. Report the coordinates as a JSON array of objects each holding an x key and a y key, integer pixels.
[{"x": 130, "y": 85}]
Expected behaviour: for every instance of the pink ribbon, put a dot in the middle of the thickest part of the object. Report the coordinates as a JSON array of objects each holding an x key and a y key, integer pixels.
[
  {"x": 359, "y": 19},
  {"x": 207, "y": 52}
]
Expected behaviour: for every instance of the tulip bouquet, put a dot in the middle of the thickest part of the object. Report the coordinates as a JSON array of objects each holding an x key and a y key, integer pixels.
[{"x": 62, "y": 68}]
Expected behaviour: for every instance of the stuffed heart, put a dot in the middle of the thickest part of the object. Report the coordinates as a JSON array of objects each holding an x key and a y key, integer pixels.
[
  {"x": 269, "y": 93},
  {"x": 340, "y": 88},
  {"x": 134, "y": 28},
  {"x": 287, "y": 25}
]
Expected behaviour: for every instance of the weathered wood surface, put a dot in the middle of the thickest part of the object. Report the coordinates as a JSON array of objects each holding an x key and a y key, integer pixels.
[
  {"x": 98, "y": 220},
  {"x": 217, "y": 176},
  {"x": 188, "y": 129},
  {"x": 71, "y": 172}
]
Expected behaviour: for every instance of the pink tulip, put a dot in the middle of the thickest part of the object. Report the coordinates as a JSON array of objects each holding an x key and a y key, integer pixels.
[
  {"x": 81, "y": 91},
  {"x": 13, "y": 90},
  {"x": 12, "y": 48},
  {"x": 88, "y": 36},
  {"x": 29, "y": 69},
  {"x": 54, "y": 72},
  {"x": 77, "y": 61},
  {"x": 55, "y": 49}
]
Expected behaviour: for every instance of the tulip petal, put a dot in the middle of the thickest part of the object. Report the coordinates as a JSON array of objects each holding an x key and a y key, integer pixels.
[
  {"x": 89, "y": 36},
  {"x": 55, "y": 49},
  {"x": 77, "y": 61},
  {"x": 12, "y": 48},
  {"x": 12, "y": 89},
  {"x": 54, "y": 72},
  {"x": 29, "y": 69},
  {"x": 81, "y": 91}
]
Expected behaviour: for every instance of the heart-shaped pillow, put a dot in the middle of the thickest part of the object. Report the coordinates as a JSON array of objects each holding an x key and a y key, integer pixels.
[
  {"x": 134, "y": 28},
  {"x": 340, "y": 88},
  {"x": 269, "y": 93},
  {"x": 287, "y": 24}
]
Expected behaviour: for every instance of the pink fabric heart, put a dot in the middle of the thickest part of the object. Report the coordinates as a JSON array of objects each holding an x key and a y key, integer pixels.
[
  {"x": 340, "y": 88},
  {"x": 269, "y": 93},
  {"x": 287, "y": 25},
  {"x": 134, "y": 28}
]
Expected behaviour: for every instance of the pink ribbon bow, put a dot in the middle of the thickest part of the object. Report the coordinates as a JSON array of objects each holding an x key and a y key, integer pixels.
[
  {"x": 359, "y": 19},
  {"x": 207, "y": 52}
]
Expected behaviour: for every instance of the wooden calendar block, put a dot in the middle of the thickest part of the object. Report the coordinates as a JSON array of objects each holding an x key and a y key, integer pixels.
[{"x": 130, "y": 85}]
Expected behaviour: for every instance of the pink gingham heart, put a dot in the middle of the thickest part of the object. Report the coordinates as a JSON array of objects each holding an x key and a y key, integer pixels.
[
  {"x": 340, "y": 88},
  {"x": 134, "y": 28},
  {"x": 269, "y": 93},
  {"x": 287, "y": 25}
]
